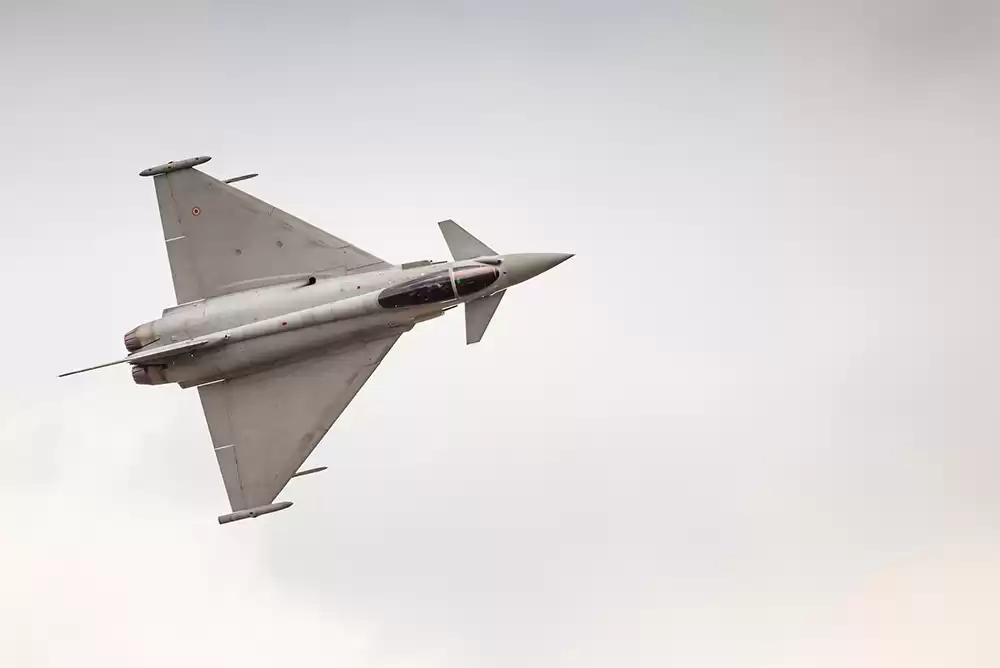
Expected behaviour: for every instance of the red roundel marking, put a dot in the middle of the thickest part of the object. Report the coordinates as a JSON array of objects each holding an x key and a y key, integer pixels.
[
  {"x": 283, "y": 324},
  {"x": 195, "y": 211}
]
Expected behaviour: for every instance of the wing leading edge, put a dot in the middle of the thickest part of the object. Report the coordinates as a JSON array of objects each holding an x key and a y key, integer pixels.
[{"x": 265, "y": 425}]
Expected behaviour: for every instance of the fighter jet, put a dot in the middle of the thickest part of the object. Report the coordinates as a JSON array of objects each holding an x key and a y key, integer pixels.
[{"x": 279, "y": 324}]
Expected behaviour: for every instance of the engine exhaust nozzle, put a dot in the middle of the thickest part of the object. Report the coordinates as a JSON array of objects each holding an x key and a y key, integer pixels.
[{"x": 139, "y": 337}]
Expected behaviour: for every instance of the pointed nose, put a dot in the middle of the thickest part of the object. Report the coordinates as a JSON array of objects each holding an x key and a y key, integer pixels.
[{"x": 522, "y": 266}]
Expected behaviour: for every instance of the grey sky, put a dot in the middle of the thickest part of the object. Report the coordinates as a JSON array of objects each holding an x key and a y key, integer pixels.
[{"x": 751, "y": 423}]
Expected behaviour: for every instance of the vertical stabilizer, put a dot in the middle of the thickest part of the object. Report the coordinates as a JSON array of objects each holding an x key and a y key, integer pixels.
[
  {"x": 478, "y": 314},
  {"x": 463, "y": 245}
]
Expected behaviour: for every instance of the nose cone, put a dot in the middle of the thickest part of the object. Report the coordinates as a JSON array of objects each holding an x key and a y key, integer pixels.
[{"x": 522, "y": 266}]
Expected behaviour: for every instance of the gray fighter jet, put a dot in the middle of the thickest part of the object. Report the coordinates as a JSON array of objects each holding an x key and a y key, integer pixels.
[{"x": 279, "y": 324}]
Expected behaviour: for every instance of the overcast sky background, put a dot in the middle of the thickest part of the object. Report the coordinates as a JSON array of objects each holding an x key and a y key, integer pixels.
[{"x": 754, "y": 422}]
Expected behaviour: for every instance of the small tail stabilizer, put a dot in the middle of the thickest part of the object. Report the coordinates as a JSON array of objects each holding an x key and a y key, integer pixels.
[
  {"x": 478, "y": 314},
  {"x": 463, "y": 245}
]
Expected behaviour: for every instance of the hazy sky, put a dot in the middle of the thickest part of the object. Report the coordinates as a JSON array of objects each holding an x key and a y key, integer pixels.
[{"x": 752, "y": 423}]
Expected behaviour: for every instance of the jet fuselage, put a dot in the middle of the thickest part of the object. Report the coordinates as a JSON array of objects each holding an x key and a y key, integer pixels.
[{"x": 247, "y": 330}]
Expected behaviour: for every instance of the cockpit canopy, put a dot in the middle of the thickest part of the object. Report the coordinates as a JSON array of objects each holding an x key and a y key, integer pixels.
[
  {"x": 437, "y": 286},
  {"x": 472, "y": 279},
  {"x": 428, "y": 289}
]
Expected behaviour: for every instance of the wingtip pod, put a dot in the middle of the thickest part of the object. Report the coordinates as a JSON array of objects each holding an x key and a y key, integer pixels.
[
  {"x": 254, "y": 512},
  {"x": 175, "y": 165}
]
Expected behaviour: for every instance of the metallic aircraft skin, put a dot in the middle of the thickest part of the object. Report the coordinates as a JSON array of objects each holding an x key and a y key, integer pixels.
[
  {"x": 281, "y": 323},
  {"x": 247, "y": 329}
]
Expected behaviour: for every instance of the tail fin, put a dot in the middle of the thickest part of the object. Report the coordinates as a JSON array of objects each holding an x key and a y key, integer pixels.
[
  {"x": 478, "y": 314},
  {"x": 463, "y": 245}
]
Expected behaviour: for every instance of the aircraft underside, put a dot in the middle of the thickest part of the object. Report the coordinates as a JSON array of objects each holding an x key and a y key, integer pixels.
[{"x": 280, "y": 323}]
